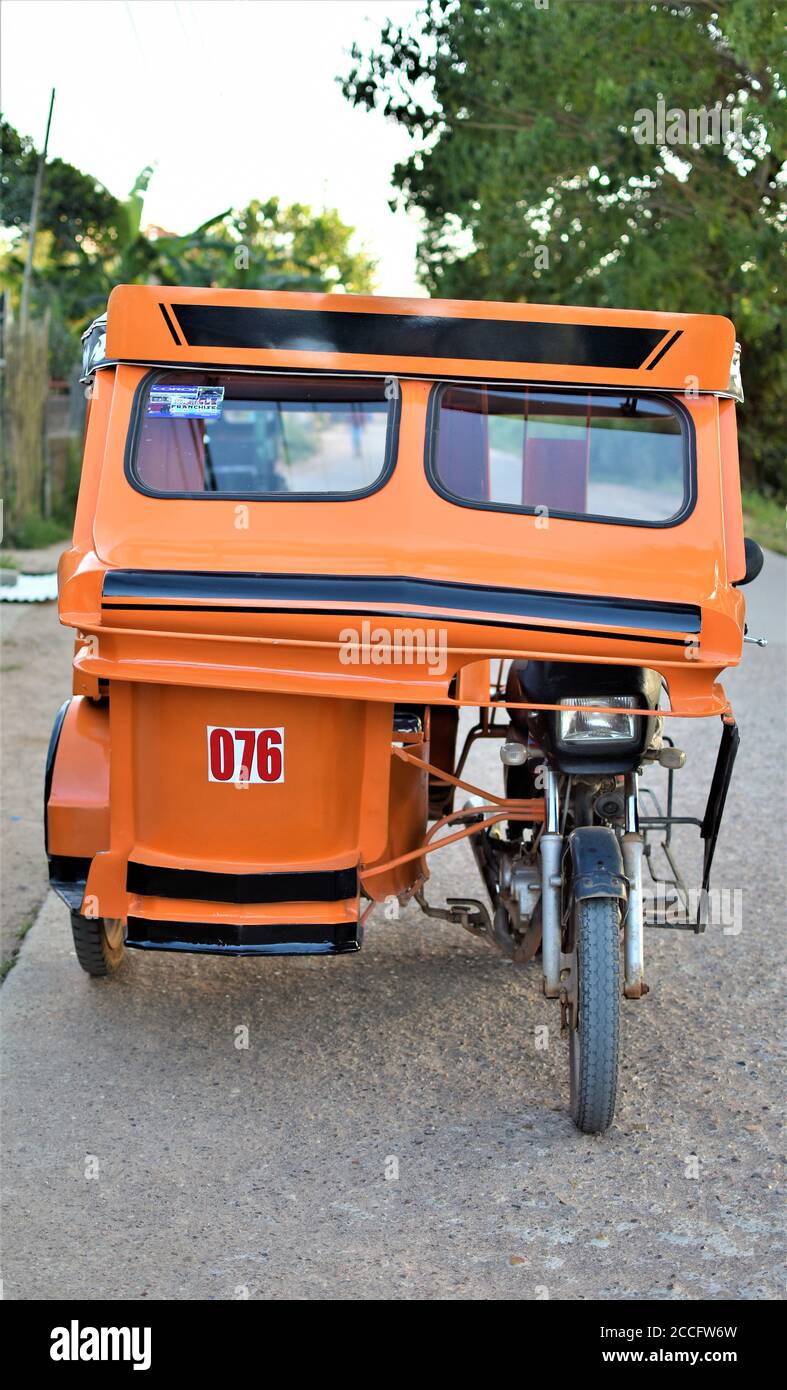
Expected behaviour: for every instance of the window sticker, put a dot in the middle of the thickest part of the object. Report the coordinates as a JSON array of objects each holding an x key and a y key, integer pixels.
[{"x": 186, "y": 402}]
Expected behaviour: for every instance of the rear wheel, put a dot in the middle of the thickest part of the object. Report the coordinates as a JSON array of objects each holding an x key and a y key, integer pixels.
[
  {"x": 593, "y": 1006},
  {"x": 98, "y": 942}
]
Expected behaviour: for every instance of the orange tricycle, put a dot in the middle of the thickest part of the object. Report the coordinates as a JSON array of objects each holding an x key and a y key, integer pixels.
[{"x": 312, "y": 530}]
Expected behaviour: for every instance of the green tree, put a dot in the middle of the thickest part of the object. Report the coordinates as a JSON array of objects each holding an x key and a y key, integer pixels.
[
  {"x": 88, "y": 241},
  {"x": 268, "y": 245},
  {"x": 533, "y": 184},
  {"x": 77, "y": 234}
]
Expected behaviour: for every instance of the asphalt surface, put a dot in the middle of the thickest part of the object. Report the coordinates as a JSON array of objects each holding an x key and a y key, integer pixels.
[{"x": 394, "y": 1128}]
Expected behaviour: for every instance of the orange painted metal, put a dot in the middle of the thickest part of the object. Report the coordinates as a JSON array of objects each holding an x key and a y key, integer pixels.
[
  {"x": 407, "y": 815},
  {"x": 700, "y": 356},
  {"x": 78, "y": 807},
  {"x": 731, "y": 490},
  {"x": 170, "y": 674}
]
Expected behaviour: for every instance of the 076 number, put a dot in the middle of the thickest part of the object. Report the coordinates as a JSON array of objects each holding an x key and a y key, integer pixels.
[{"x": 245, "y": 755}]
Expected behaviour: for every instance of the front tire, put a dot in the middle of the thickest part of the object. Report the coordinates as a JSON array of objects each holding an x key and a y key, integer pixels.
[
  {"x": 98, "y": 943},
  {"x": 594, "y": 1013}
]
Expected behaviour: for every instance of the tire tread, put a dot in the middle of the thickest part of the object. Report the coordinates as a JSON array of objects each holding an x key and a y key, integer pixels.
[
  {"x": 92, "y": 948},
  {"x": 593, "y": 1106}
]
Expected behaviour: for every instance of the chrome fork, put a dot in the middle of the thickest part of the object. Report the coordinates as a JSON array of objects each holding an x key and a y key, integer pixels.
[
  {"x": 633, "y": 934},
  {"x": 550, "y": 846}
]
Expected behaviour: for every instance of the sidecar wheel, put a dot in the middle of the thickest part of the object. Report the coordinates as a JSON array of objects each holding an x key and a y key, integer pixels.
[
  {"x": 98, "y": 943},
  {"x": 595, "y": 1025}
]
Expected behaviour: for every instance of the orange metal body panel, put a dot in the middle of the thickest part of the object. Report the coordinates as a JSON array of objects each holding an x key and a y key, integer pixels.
[
  {"x": 330, "y": 812},
  {"x": 407, "y": 813},
  {"x": 78, "y": 808},
  {"x": 731, "y": 491},
  {"x": 404, "y": 528},
  {"x": 701, "y": 354},
  {"x": 473, "y": 682},
  {"x": 171, "y": 673}
]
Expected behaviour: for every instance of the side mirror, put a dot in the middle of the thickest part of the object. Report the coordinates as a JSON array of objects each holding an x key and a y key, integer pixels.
[{"x": 754, "y": 561}]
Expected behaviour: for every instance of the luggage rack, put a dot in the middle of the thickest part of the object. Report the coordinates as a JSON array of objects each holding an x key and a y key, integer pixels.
[{"x": 708, "y": 828}]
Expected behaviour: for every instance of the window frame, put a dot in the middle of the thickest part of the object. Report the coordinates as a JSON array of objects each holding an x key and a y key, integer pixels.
[
  {"x": 688, "y": 434},
  {"x": 197, "y": 369}
]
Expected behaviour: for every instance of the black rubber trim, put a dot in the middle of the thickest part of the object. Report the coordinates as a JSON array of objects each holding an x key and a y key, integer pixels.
[
  {"x": 150, "y": 589},
  {"x": 68, "y": 878},
  {"x": 420, "y": 614},
  {"x": 68, "y": 868},
  {"x": 416, "y": 335},
  {"x": 717, "y": 796},
  {"x": 689, "y": 461},
  {"x": 244, "y": 939},
  {"x": 54, "y": 739},
  {"x": 389, "y": 458},
  {"x": 322, "y": 885}
]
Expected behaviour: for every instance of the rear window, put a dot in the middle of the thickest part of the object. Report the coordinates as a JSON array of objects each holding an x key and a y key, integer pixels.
[
  {"x": 236, "y": 435},
  {"x": 606, "y": 456}
]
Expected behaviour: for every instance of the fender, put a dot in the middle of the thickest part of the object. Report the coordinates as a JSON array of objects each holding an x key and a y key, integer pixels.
[
  {"x": 76, "y": 794},
  {"x": 596, "y": 863},
  {"x": 51, "y": 751}
]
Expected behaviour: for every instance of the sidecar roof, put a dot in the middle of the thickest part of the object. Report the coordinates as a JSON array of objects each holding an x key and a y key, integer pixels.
[{"x": 441, "y": 338}]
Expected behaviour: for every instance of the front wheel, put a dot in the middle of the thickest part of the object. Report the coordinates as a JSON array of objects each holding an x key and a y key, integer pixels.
[
  {"x": 593, "y": 1008},
  {"x": 98, "y": 942}
]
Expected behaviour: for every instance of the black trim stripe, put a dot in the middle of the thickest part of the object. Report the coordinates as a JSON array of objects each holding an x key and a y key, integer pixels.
[
  {"x": 143, "y": 589},
  {"x": 244, "y": 938},
  {"x": 322, "y": 885},
  {"x": 421, "y": 615},
  {"x": 170, "y": 325},
  {"x": 417, "y": 335},
  {"x": 664, "y": 348}
]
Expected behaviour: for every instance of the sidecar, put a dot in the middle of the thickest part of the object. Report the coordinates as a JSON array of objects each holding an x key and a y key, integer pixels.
[{"x": 313, "y": 529}]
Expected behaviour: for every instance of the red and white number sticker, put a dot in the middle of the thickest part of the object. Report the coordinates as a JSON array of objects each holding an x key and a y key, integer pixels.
[{"x": 245, "y": 755}]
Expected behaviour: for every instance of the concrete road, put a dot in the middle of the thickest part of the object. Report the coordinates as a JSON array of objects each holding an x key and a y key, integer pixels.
[
  {"x": 392, "y": 1129},
  {"x": 35, "y": 678}
]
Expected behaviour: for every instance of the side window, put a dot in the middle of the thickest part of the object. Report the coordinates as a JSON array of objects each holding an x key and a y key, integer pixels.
[
  {"x": 256, "y": 436},
  {"x": 618, "y": 456}
]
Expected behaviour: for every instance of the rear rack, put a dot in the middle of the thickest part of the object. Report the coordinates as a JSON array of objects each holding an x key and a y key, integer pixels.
[{"x": 708, "y": 828}]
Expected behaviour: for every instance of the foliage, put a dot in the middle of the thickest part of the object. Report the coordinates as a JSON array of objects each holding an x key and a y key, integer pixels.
[
  {"x": 25, "y": 386},
  {"x": 765, "y": 521},
  {"x": 88, "y": 241},
  {"x": 268, "y": 246},
  {"x": 525, "y": 117}
]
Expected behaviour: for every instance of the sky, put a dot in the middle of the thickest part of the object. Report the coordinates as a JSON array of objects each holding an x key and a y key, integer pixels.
[{"x": 229, "y": 99}]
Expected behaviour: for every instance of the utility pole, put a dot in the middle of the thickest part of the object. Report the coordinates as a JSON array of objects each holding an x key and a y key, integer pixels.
[{"x": 24, "y": 306}]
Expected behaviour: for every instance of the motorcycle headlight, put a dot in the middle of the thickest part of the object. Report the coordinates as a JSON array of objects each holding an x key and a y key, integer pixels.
[{"x": 586, "y": 726}]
